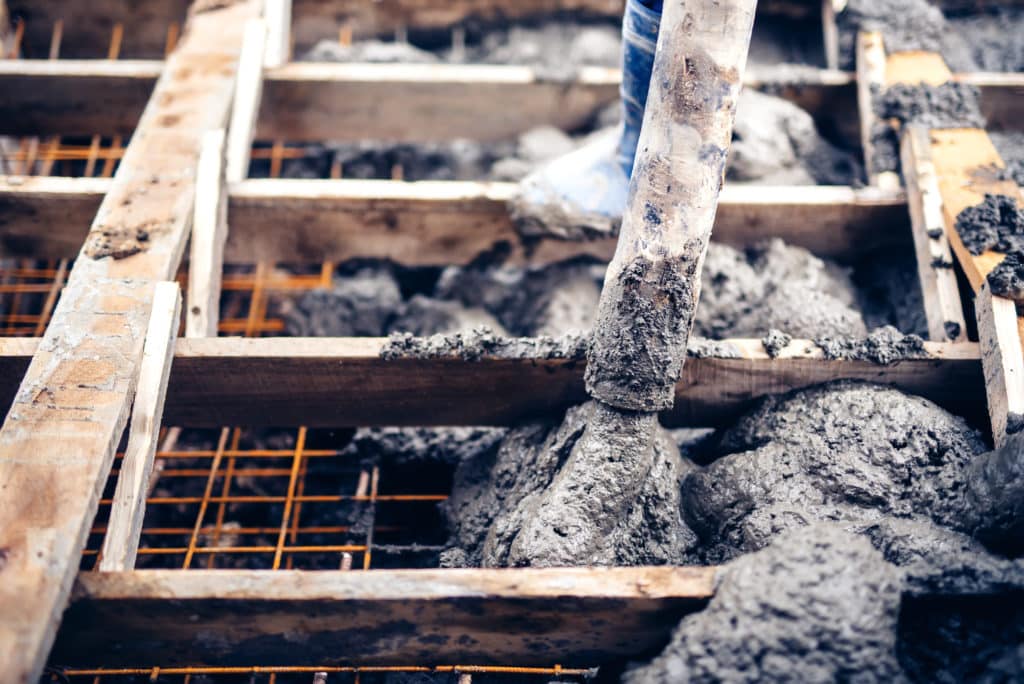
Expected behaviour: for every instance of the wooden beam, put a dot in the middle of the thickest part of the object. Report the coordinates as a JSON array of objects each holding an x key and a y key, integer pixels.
[
  {"x": 871, "y": 77},
  {"x": 577, "y": 617},
  {"x": 966, "y": 163},
  {"x": 75, "y": 97},
  {"x": 296, "y": 381},
  {"x": 68, "y": 97},
  {"x": 1002, "y": 358},
  {"x": 121, "y": 542},
  {"x": 830, "y": 31},
  {"x": 278, "y": 15},
  {"x": 58, "y": 440},
  {"x": 246, "y": 104},
  {"x": 209, "y": 232},
  {"x": 440, "y": 222},
  {"x": 940, "y": 291}
]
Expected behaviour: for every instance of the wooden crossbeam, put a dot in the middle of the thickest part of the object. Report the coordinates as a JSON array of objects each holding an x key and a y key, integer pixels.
[
  {"x": 296, "y": 381},
  {"x": 58, "y": 440},
  {"x": 84, "y": 97},
  {"x": 439, "y": 222},
  {"x": 576, "y": 616},
  {"x": 209, "y": 232}
]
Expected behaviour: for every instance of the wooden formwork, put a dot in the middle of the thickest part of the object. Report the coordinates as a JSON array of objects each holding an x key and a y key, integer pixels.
[{"x": 72, "y": 390}]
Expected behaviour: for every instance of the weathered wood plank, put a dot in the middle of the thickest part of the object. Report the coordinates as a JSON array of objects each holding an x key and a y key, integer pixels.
[
  {"x": 296, "y": 381},
  {"x": 430, "y": 223},
  {"x": 278, "y": 15},
  {"x": 575, "y": 617},
  {"x": 58, "y": 440},
  {"x": 966, "y": 162},
  {"x": 68, "y": 97},
  {"x": 246, "y": 103},
  {"x": 1002, "y": 359},
  {"x": 871, "y": 76},
  {"x": 121, "y": 542},
  {"x": 940, "y": 291},
  {"x": 209, "y": 232}
]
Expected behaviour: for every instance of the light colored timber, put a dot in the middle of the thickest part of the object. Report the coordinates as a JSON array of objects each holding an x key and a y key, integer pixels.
[
  {"x": 296, "y": 381},
  {"x": 439, "y": 222},
  {"x": 871, "y": 76},
  {"x": 830, "y": 32},
  {"x": 941, "y": 294},
  {"x": 248, "y": 92},
  {"x": 121, "y": 542},
  {"x": 69, "y": 97},
  {"x": 967, "y": 165},
  {"x": 209, "y": 232},
  {"x": 578, "y": 617},
  {"x": 58, "y": 440},
  {"x": 1002, "y": 359},
  {"x": 278, "y": 15}
]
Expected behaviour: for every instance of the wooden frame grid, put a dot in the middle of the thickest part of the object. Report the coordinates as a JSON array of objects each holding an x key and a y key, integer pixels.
[{"x": 97, "y": 119}]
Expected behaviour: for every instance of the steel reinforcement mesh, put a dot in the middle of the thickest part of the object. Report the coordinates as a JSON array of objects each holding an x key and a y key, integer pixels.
[{"x": 238, "y": 497}]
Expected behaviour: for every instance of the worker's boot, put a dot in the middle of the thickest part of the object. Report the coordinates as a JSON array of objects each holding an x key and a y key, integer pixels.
[{"x": 583, "y": 193}]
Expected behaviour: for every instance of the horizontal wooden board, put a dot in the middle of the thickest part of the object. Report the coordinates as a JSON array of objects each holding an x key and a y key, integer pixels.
[
  {"x": 306, "y": 101},
  {"x": 437, "y": 222},
  {"x": 573, "y": 617},
  {"x": 344, "y": 382},
  {"x": 87, "y": 26}
]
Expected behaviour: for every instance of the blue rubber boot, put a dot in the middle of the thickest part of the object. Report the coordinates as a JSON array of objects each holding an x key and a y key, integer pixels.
[{"x": 582, "y": 195}]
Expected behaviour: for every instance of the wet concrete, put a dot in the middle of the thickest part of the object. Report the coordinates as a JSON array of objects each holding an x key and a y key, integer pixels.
[
  {"x": 884, "y": 345},
  {"x": 817, "y": 605},
  {"x": 845, "y": 451},
  {"x": 950, "y": 105},
  {"x": 904, "y": 24},
  {"x": 997, "y": 224},
  {"x": 1010, "y": 146},
  {"x": 601, "y": 488},
  {"x": 775, "y": 142},
  {"x": 745, "y": 293}
]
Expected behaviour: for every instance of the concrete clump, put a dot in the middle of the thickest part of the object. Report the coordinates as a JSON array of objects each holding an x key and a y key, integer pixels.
[
  {"x": 819, "y": 604},
  {"x": 997, "y": 224}
]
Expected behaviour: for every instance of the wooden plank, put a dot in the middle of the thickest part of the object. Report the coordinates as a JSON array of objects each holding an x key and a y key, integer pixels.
[
  {"x": 830, "y": 31},
  {"x": 248, "y": 92},
  {"x": 84, "y": 97},
  {"x": 871, "y": 76},
  {"x": 1002, "y": 359},
  {"x": 577, "y": 617},
  {"x": 278, "y": 15},
  {"x": 296, "y": 381},
  {"x": 69, "y": 97},
  {"x": 966, "y": 162},
  {"x": 58, "y": 440},
  {"x": 440, "y": 222},
  {"x": 47, "y": 217},
  {"x": 121, "y": 542},
  {"x": 940, "y": 291},
  {"x": 209, "y": 232}
]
